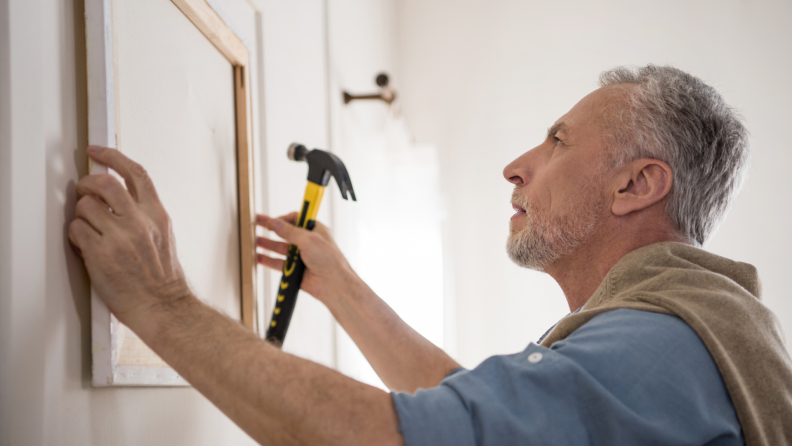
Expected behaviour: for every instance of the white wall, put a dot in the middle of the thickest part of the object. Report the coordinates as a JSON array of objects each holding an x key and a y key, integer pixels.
[
  {"x": 294, "y": 109},
  {"x": 45, "y": 358},
  {"x": 361, "y": 43},
  {"x": 484, "y": 80},
  {"x": 5, "y": 219}
]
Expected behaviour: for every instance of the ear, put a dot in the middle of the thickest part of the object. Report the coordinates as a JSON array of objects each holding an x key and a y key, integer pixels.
[{"x": 641, "y": 184}]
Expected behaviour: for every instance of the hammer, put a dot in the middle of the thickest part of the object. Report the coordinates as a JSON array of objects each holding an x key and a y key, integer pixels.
[{"x": 321, "y": 166}]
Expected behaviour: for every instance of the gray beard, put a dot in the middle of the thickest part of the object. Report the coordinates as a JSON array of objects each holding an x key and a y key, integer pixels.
[{"x": 545, "y": 239}]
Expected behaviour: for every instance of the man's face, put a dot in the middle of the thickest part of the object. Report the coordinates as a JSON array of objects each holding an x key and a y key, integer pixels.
[{"x": 560, "y": 185}]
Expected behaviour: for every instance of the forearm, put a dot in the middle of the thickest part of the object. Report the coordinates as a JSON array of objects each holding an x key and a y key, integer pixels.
[
  {"x": 275, "y": 397},
  {"x": 403, "y": 359}
]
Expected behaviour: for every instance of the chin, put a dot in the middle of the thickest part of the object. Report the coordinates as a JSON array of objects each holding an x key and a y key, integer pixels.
[
  {"x": 534, "y": 246},
  {"x": 515, "y": 227},
  {"x": 524, "y": 258}
]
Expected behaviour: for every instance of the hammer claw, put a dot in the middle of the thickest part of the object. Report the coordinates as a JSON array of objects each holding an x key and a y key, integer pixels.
[
  {"x": 345, "y": 186},
  {"x": 323, "y": 165}
]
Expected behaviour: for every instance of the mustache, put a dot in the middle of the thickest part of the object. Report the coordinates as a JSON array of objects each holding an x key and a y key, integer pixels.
[{"x": 519, "y": 199}]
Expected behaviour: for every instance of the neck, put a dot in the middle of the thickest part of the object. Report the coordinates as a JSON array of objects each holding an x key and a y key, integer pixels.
[{"x": 580, "y": 273}]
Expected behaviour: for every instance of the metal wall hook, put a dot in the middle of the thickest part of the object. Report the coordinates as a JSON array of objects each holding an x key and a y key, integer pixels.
[{"x": 386, "y": 94}]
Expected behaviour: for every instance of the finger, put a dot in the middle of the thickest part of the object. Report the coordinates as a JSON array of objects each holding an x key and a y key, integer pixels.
[
  {"x": 94, "y": 213},
  {"x": 288, "y": 231},
  {"x": 269, "y": 262},
  {"x": 75, "y": 249},
  {"x": 272, "y": 245},
  {"x": 82, "y": 235},
  {"x": 264, "y": 220},
  {"x": 108, "y": 189},
  {"x": 290, "y": 217},
  {"x": 135, "y": 176}
]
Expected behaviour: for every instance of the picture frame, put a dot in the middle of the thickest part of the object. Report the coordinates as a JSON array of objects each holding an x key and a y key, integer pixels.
[{"x": 103, "y": 127}]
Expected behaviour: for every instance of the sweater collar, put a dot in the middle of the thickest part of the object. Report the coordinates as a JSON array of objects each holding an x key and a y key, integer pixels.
[{"x": 648, "y": 264}]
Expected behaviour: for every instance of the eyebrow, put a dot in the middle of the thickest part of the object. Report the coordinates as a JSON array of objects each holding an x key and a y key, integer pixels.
[{"x": 560, "y": 127}]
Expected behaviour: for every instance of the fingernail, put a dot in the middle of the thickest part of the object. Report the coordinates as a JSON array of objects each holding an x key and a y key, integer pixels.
[{"x": 93, "y": 149}]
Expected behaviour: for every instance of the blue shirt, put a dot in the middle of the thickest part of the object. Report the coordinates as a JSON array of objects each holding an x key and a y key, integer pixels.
[{"x": 625, "y": 378}]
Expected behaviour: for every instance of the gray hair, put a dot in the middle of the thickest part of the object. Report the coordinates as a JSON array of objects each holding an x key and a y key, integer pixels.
[{"x": 676, "y": 118}]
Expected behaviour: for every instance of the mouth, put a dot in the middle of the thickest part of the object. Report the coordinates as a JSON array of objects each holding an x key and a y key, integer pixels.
[{"x": 519, "y": 211}]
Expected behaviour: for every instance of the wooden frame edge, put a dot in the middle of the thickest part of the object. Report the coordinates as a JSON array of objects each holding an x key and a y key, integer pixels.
[
  {"x": 206, "y": 19},
  {"x": 246, "y": 194}
]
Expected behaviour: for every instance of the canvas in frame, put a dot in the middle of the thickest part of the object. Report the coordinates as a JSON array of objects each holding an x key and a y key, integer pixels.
[{"x": 102, "y": 130}]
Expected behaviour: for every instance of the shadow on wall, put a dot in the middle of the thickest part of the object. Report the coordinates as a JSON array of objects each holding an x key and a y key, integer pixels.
[
  {"x": 80, "y": 290},
  {"x": 75, "y": 120}
]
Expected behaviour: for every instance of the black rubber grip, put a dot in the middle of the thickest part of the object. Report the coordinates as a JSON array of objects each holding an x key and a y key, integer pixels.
[{"x": 288, "y": 288}]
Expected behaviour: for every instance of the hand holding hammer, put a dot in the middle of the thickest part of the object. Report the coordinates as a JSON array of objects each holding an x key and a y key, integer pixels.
[{"x": 321, "y": 167}]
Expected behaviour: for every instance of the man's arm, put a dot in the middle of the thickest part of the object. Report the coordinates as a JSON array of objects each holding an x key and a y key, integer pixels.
[
  {"x": 403, "y": 359},
  {"x": 126, "y": 241},
  {"x": 275, "y": 397}
]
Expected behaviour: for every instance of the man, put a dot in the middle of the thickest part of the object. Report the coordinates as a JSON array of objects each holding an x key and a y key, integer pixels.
[{"x": 666, "y": 344}]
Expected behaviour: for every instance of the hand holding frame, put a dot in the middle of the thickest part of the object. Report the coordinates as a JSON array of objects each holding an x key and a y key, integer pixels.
[{"x": 126, "y": 239}]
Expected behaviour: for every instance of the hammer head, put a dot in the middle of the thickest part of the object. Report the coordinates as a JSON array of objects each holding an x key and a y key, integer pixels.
[{"x": 321, "y": 166}]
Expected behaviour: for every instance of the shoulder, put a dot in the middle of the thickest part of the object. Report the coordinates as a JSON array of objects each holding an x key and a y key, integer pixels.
[
  {"x": 648, "y": 371},
  {"x": 641, "y": 335},
  {"x": 625, "y": 351},
  {"x": 638, "y": 353},
  {"x": 625, "y": 377}
]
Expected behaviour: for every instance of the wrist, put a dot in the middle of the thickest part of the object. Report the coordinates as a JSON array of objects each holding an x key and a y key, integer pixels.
[
  {"x": 349, "y": 293},
  {"x": 158, "y": 310},
  {"x": 340, "y": 288}
]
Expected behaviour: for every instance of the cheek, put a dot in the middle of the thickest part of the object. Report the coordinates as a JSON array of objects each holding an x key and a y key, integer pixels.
[
  {"x": 548, "y": 190},
  {"x": 569, "y": 193}
]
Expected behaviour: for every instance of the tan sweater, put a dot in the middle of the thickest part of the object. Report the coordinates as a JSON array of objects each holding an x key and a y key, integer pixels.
[{"x": 719, "y": 299}]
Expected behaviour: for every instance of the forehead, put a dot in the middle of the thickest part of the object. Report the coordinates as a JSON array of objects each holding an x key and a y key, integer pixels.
[{"x": 592, "y": 114}]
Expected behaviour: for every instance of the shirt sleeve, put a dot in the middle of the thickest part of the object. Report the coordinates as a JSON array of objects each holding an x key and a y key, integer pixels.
[{"x": 626, "y": 377}]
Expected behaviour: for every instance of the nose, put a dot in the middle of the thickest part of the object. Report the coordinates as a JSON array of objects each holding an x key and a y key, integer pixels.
[{"x": 518, "y": 172}]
